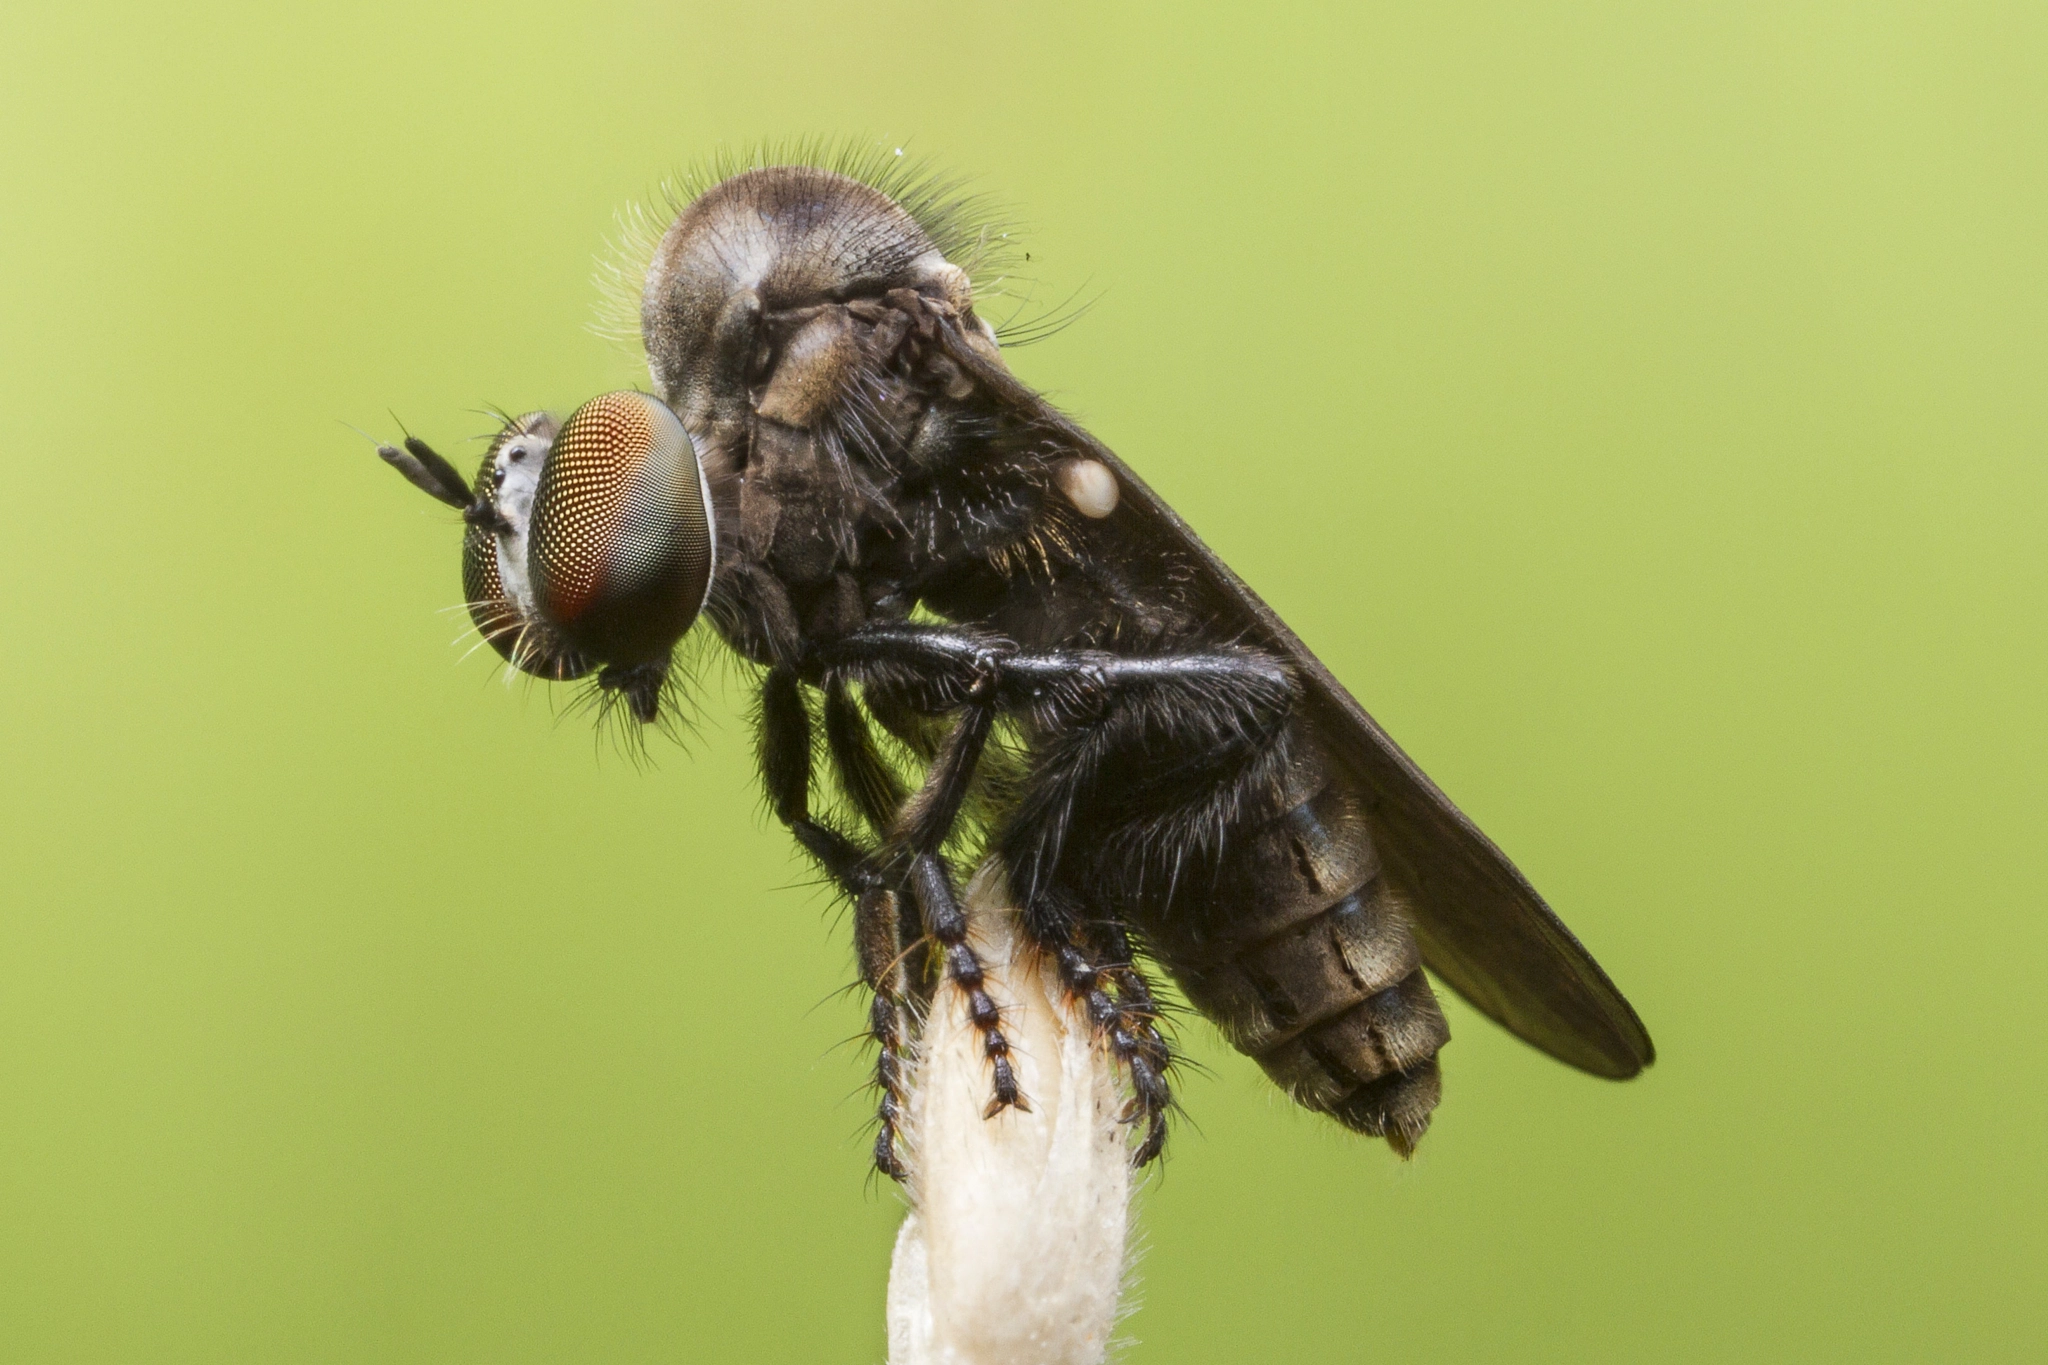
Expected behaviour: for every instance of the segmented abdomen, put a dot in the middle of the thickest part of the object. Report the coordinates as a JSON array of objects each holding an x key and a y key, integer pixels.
[{"x": 1303, "y": 956}]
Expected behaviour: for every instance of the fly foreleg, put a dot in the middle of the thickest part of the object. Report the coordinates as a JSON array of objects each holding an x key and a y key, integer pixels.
[
  {"x": 785, "y": 755},
  {"x": 885, "y": 962},
  {"x": 886, "y": 967}
]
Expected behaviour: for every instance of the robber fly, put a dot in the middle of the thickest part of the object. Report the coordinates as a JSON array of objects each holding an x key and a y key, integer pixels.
[{"x": 952, "y": 580}]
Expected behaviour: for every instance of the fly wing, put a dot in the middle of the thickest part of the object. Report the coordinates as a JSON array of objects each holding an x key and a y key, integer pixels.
[{"x": 1481, "y": 926}]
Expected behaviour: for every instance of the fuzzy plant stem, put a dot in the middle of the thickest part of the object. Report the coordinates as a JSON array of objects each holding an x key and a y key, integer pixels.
[{"x": 1013, "y": 1252}]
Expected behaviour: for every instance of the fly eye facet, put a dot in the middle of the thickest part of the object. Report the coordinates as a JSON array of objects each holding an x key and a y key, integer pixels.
[{"x": 620, "y": 547}]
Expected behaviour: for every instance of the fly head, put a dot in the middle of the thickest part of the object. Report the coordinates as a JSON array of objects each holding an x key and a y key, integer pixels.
[{"x": 588, "y": 545}]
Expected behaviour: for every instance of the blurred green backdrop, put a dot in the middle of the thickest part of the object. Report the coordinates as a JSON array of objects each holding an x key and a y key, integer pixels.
[{"x": 1641, "y": 405}]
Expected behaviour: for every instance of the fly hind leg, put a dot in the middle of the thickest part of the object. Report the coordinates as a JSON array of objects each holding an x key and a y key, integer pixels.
[
  {"x": 1111, "y": 990},
  {"x": 1142, "y": 767},
  {"x": 1145, "y": 770}
]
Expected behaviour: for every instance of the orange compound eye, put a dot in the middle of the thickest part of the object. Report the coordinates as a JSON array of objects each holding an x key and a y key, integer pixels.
[{"x": 619, "y": 549}]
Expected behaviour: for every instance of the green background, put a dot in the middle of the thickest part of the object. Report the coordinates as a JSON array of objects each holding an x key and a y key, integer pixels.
[{"x": 1641, "y": 406}]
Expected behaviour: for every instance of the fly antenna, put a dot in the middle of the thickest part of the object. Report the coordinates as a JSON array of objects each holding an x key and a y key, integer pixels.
[{"x": 423, "y": 467}]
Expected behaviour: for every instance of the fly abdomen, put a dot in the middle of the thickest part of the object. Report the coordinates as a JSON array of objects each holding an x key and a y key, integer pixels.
[{"x": 1305, "y": 958}]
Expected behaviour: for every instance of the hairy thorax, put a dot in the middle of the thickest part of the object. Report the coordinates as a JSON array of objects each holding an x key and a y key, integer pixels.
[{"x": 810, "y": 334}]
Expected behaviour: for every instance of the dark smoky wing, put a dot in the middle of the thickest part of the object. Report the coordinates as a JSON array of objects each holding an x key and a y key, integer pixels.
[{"x": 1482, "y": 927}]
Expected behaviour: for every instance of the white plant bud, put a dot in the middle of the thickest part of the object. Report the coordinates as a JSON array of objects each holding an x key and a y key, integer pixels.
[{"x": 1013, "y": 1250}]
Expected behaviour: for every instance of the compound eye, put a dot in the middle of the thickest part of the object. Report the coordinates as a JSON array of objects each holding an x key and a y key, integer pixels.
[
  {"x": 494, "y": 559},
  {"x": 495, "y": 610},
  {"x": 619, "y": 549}
]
